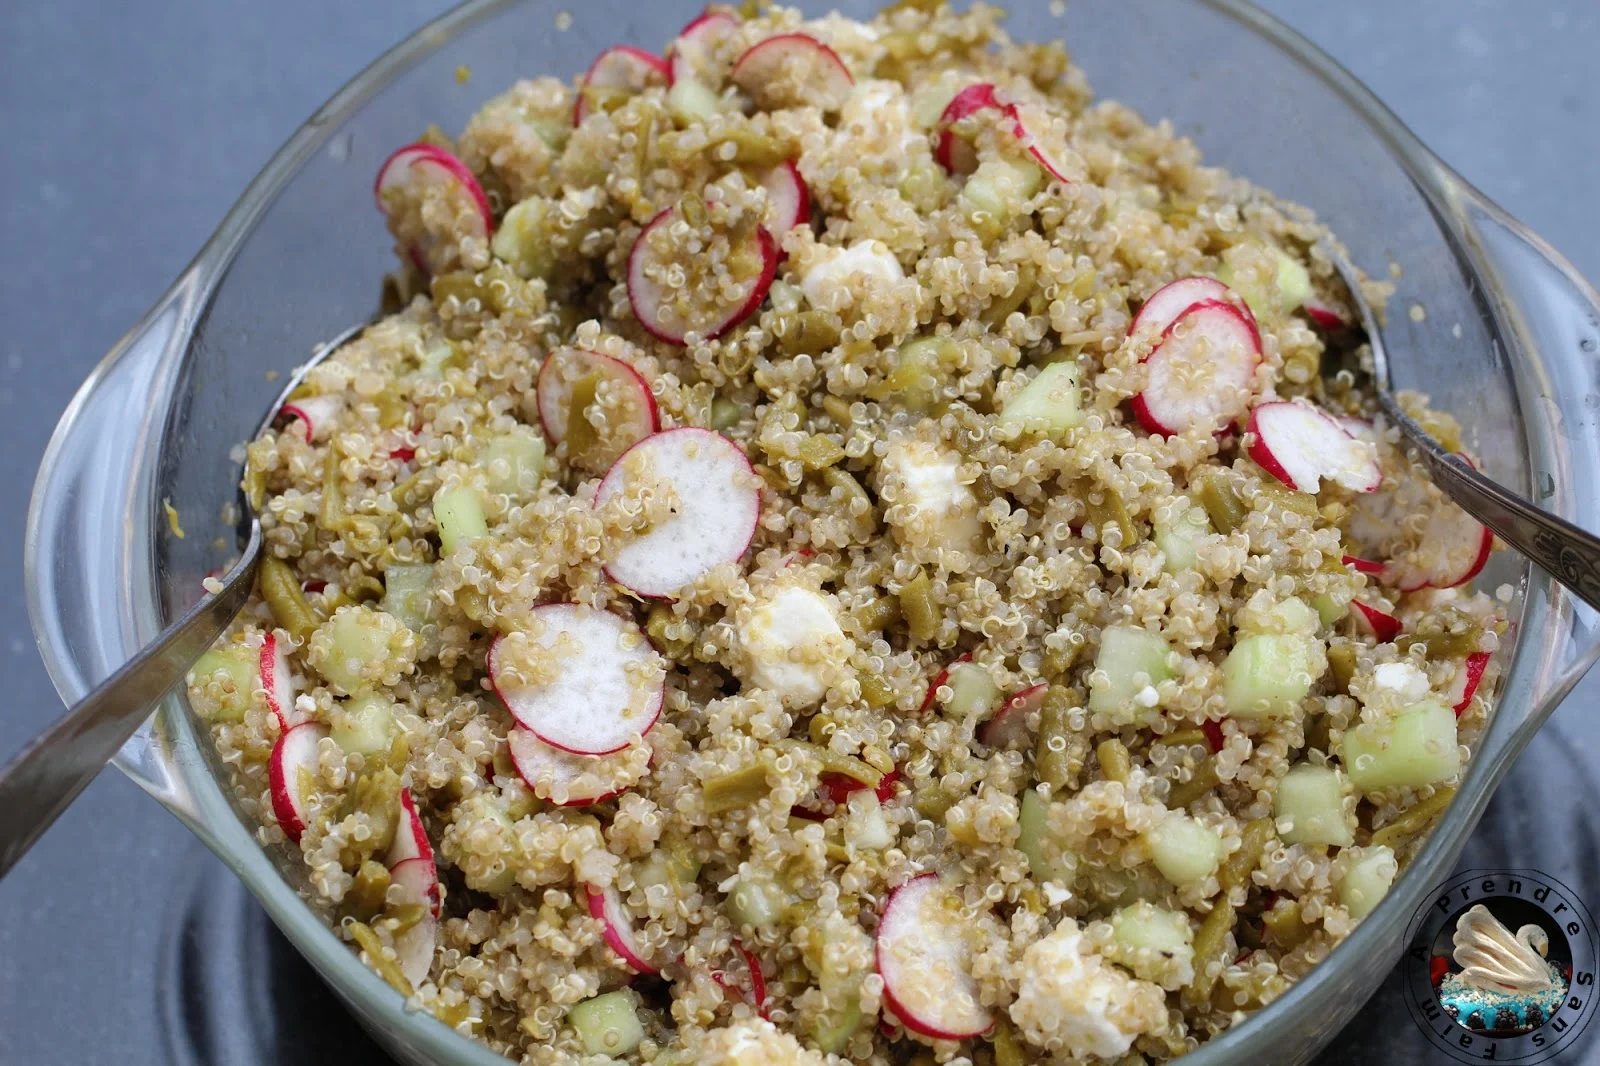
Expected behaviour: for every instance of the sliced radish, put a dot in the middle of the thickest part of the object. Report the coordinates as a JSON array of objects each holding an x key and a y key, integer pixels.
[
  {"x": 1363, "y": 566},
  {"x": 620, "y": 67},
  {"x": 952, "y": 151},
  {"x": 939, "y": 679},
  {"x": 688, "y": 53},
  {"x": 792, "y": 70},
  {"x": 607, "y": 686},
  {"x": 606, "y": 905},
  {"x": 1380, "y": 624},
  {"x": 926, "y": 963},
  {"x": 1324, "y": 316},
  {"x": 278, "y": 682},
  {"x": 411, "y": 838},
  {"x": 719, "y": 504},
  {"x": 1299, "y": 445},
  {"x": 1467, "y": 680},
  {"x": 313, "y": 416},
  {"x": 838, "y": 787},
  {"x": 1453, "y": 548},
  {"x": 1359, "y": 428},
  {"x": 414, "y": 950},
  {"x": 1009, "y": 726},
  {"x": 419, "y": 883},
  {"x": 1213, "y": 731},
  {"x": 1027, "y": 121},
  {"x": 419, "y": 165},
  {"x": 549, "y": 772},
  {"x": 788, "y": 198},
  {"x": 667, "y": 307},
  {"x": 1200, "y": 374},
  {"x": 291, "y": 774},
  {"x": 635, "y": 420},
  {"x": 1168, "y": 303}
]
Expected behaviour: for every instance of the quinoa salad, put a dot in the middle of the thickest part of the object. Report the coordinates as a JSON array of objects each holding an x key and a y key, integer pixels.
[{"x": 844, "y": 548}]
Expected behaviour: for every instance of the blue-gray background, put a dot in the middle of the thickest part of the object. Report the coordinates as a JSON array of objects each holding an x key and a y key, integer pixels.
[{"x": 128, "y": 129}]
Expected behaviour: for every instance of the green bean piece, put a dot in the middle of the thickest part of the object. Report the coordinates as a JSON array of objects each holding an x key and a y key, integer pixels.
[
  {"x": 995, "y": 315},
  {"x": 932, "y": 801},
  {"x": 368, "y": 941},
  {"x": 280, "y": 587},
  {"x": 1115, "y": 763},
  {"x": 661, "y": 616},
  {"x": 1007, "y": 1049},
  {"x": 817, "y": 452},
  {"x": 1105, "y": 507},
  {"x": 1221, "y": 501},
  {"x": 255, "y": 486},
  {"x": 876, "y": 691},
  {"x": 377, "y": 795},
  {"x": 809, "y": 333},
  {"x": 1285, "y": 499},
  {"x": 916, "y": 604},
  {"x": 725, "y": 414},
  {"x": 1186, "y": 792},
  {"x": 880, "y": 614},
  {"x": 1341, "y": 667},
  {"x": 1415, "y": 820},
  {"x": 834, "y": 763},
  {"x": 838, "y": 409},
  {"x": 1318, "y": 736},
  {"x": 1452, "y": 645},
  {"x": 927, "y": 7},
  {"x": 851, "y": 489},
  {"x": 332, "y": 514},
  {"x": 1210, "y": 946},
  {"x": 736, "y": 789},
  {"x": 1237, "y": 868},
  {"x": 365, "y": 899},
  {"x": 1052, "y": 763},
  {"x": 1284, "y": 925},
  {"x": 1182, "y": 738},
  {"x": 582, "y": 438}
]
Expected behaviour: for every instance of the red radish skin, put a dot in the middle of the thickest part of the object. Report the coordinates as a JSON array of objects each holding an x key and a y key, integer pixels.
[
  {"x": 1214, "y": 737},
  {"x": 938, "y": 679},
  {"x": 788, "y": 198},
  {"x": 1169, "y": 303},
  {"x": 1467, "y": 680},
  {"x": 419, "y": 883},
  {"x": 425, "y": 162},
  {"x": 1009, "y": 726},
  {"x": 538, "y": 762},
  {"x": 758, "y": 980},
  {"x": 1324, "y": 317},
  {"x": 565, "y": 366},
  {"x": 620, "y": 67},
  {"x": 924, "y": 961},
  {"x": 312, "y": 417},
  {"x": 694, "y": 40},
  {"x": 1300, "y": 446},
  {"x": 1453, "y": 549},
  {"x": 838, "y": 787},
  {"x": 606, "y": 905},
  {"x": 1383, "y": 625},
  {"x": 411, "y": 838},
  {"x": 295, "y": 751},
  {"x": 1026, "y": 122},
  {"x": 608, "y": 692},
  {"x": 647, "y": 297},
  {"x": 720, "y": 506},
  {"x": 278, "y": 682},
  {"x": 776, "y": 59},
  {"x": 1213, "y": 338},
  {"x": 1363, "y": 566},
  {"x": 952, "y": 151}
]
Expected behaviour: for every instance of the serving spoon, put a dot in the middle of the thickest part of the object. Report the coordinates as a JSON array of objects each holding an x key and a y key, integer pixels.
[
  {"x": 1564, "y": 551},
  {"x": 51, "y": 770}
]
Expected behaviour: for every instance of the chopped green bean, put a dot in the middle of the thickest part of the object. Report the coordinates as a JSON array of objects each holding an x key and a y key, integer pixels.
[
  {"x": 1210, "y": 946},
  {"x": 1115, "y": 763},
  {"x": 809, "y": 333},
  {"x": 1186, "y": 792},
  {"x": 368, "y": 941},
  {"x": 280, "y": 587},
  {"x": 736, "y": 789},
  {"x": 1415, "y": 820},
  {"x": 916, "y": 604},
  {"x": 1215, "y": 493},
  {"x": 1237, "y": 868},
  {"x": 1052, "y": 760}
]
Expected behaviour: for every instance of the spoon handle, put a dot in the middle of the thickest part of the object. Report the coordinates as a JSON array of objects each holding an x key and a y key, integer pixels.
[
  {"x": 1567, "y": 553},
  {"x": 53, "y": 768}
]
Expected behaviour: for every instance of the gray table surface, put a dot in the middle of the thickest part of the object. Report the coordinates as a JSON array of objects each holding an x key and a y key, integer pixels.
[{"x": 129, "y": 129}]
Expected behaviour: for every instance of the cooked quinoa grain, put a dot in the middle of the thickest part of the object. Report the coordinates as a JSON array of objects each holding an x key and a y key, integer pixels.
[{"x": 976, "y": 565}]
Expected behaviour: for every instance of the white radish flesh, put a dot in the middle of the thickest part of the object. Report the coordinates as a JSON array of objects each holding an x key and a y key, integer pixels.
[
  {"x": 557, "y": 776},
  {"x": 667, "y": 308},
  {"x": 1168, "y": 303},
  {"x": 418, "y": 882},
  {"x": 606, "y": 905},
  {"x": 1453, "y": 548},
  {"x": 418, "y": 165},
  {"x": 689, "y": 56},
  {"x": 631, "y": 410},
  {"x": 788, "y": 198},
  {"x": 1027, "y": 123},
  {"x": 291, "y": 774},
  {"x": 411, "y": 838},
  {"x": 1466, "y": 682},
  {"x": 620, "y": 67},
  {"x": 1381, "y": 624},
  {"x": 952, "y": 151},
  {"x": 414, "y": 950},
  {"x": 925, "y": 961},
  {"x": 1325, "y": 316},
  {"x": 277, "y": 681},
  {"x": 793, "y": 69},
  {"x": 719, "y": 503},
  {"x": 1299, "y": 445},
  {"x": 1200, "y": 375},
  {"x": 312, "y": 417},
  {"x": 1009, "y": 726},
  {"x": 605, "y": 686}
]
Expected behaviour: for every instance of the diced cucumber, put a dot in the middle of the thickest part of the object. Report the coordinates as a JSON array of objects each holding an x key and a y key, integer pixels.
[
  {"x": 1294, "y": 616},
  {"x": 865, "y": 825},
  {"x": 725, "y": 414},
  {"x": 364, "y": 725},
  {"x": 514, "y": 463},
  {"x": 1032, "y": 830},
  {"x": 834, "y": 1030},
  {"x": 458, "y": 512},
  {"x": 358, "y": 639},
  {"x": 1001, "y": 187},
  {"x": 1309, "y": 807},
  {"x": 667, "y": 866},
  {"x": 1049, "y": 405},
  {"x": 931, "y": 98},
  {"x": 1294, "y": 282},
  {"x": 1184, "y": 849},
  {"x": 1331, "y": 608},
  {"x": 1364, "y": 885},
  {"x": 756, "y": 904},
  {"x": 492, "y": 864},
  {"x": 608, "y": 1024},
  {"x": 437, "y": 354},
  {"x": 1133, "y": 660},
  {"x": 1287, "y": 288},
  {"x": 920, "y": 364},
  {"x": 408, "y": 595},
  {"x": 1178, "y": 537},
  {"x": 1268, "y": 674},
  {"x": 1151, "y": 940},
  {"x": 973, "y": 692},
  {"x": 222, "y": 684},
  {"x": 522, "y": 240},
  {"x": 1414, "y": 748},
  {"x": 689, "y": 101}
]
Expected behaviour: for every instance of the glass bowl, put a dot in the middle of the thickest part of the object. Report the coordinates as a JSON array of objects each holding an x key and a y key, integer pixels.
[{"x": 1507, "y": 343}]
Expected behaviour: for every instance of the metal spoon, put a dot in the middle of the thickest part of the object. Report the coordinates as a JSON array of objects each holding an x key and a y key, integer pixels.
[
  {"x": 53, "y": 768},
  {"x": 1565, "y": 552}
]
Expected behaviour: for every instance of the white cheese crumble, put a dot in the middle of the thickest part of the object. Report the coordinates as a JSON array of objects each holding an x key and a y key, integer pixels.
[
  {"x": 931, "y": 488},
  {"x": 1073, "y": 1001},
  {"x": 1402, "y": 679},
  {"x": 829, "y": 280},
  {"x": 793, "y": 644}
]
